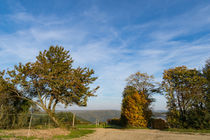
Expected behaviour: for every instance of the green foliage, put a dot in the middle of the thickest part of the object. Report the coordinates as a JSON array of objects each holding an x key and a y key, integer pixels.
[
  {"x": 185, "y": 91},
  {"x": 13, "y": 110},
  {"x": 51, "y": 79},
  {"x": 114, "y": 121},
  {"x": 206, "y": 74}
]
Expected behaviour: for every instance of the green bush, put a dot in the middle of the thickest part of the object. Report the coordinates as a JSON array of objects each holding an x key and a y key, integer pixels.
[
  {"x": 9, "y": 118},
  {"x": 114, "y": 121}
]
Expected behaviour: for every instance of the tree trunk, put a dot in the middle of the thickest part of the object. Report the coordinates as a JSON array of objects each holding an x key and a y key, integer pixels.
[{"x": 54, "y": 119}]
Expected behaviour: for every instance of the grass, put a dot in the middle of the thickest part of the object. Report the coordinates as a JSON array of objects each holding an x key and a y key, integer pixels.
[
  {"x": 90, "y": 126},
  {"x": 136, "y": 128},
  {"x": 18, "y": 137},
  {"x": 100, "y": 126},
  {"x": 106, "y": 126},
  {"x": 6, "y": 136},
  {"x": 75, "y": 134},
  {"x": 188, "y": 130}
]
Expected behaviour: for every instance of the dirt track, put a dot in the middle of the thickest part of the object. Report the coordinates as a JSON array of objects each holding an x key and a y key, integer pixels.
[{"x": 141, "y": 134}]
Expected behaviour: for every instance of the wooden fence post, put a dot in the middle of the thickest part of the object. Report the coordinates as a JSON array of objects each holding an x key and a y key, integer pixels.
[
  {"x": 29, "y": 127},
  {"x": 73, "y": 120}
]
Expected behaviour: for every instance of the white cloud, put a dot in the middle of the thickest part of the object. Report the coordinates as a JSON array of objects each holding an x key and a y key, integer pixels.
[{"x": 113, "y": 63}]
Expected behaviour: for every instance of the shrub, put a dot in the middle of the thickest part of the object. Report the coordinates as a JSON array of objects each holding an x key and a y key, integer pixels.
[
  {"x": 114, "y": 121},
  {"x": 158, "y": 124}
]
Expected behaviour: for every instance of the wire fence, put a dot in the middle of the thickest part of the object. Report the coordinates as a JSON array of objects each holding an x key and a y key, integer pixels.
[{"x": 37, "y": 120}]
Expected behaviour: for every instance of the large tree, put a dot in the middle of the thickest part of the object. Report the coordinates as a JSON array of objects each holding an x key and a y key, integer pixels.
[
  {"x": 51, "y": 79},
  {"x": 185, "y": 92}
]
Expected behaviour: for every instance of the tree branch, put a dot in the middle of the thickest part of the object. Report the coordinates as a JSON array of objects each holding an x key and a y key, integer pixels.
[
  {"x": 54, "y": 105},
  {"x": 50, "y": 103}
]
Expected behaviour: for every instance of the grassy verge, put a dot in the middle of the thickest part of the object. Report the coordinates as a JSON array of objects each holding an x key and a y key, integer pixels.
[
  {"x": 100, "y": 126},
  {"x": 17, "y": 137},
  {"x": 87, "y": 126},
  {"x": 75, "y": 134},
  {"x": 136, "y": 128},
  {"x": 91, "y": 126},
  {"x": 187, "y": 130},
  {"x": 106, "y": 126}
]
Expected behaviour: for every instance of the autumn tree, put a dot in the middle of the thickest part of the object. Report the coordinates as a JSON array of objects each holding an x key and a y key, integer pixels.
[
  {"x": 185, "y": 92},
  {"x": 144, "y": 84},
  {"x": 51, "y": 79},
  {"x": 133, "y": 108},
  {"x": 137, "y": 97}
]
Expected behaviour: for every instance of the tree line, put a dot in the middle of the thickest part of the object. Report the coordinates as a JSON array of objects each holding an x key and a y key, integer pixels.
[{"x": 187, "y": 92}]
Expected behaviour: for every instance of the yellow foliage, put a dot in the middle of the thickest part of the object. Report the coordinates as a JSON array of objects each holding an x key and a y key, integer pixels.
[{"x": 133, "y": 109}]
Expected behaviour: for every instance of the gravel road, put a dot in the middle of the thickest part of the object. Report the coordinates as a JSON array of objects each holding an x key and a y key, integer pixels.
[{"x": 141, "y": 134}]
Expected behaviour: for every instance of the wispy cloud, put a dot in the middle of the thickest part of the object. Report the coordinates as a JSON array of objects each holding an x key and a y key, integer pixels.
[{"x": 113, "y": 51}]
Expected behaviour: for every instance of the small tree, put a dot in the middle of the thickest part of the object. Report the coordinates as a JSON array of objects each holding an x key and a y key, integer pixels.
[
  {"x": 51, "y": 79},
  {"x": 133, "y": 108}
]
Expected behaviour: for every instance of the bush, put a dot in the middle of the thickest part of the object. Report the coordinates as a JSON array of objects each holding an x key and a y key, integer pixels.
[
  {"x": 114, "y": 121},
  {"x": 9, "y": 118},
  {"x": 158, "y": 124}
]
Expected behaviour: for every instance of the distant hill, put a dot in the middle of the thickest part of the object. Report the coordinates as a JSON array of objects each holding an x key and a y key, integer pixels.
[
  {"x": 40, "y": 118},
  {"x": 101, "y": 115},
  {"x": 159, "y": 114}
]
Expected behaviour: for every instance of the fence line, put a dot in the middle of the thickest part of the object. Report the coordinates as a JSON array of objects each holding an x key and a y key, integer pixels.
[{"x": 36, "y": 120}]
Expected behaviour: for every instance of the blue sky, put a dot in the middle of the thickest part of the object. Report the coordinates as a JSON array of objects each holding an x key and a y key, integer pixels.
[{"x": 114, "y": 37}]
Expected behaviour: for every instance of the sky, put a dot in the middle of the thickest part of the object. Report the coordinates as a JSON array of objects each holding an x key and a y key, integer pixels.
[{"x": 116, "y": 38}]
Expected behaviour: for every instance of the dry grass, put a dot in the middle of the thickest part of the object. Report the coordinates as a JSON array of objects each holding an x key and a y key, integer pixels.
[{"x": 38, "y": 133}]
